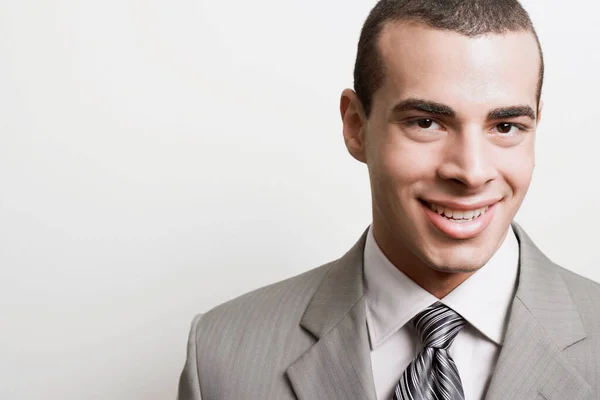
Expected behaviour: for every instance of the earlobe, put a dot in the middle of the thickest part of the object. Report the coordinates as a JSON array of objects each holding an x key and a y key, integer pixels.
[{"x": 354, "y": 124}]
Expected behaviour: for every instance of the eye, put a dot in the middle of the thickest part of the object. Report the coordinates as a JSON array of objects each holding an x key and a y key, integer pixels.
[
  {"x": 426, "y": 123},
  {"x": 506, "y": 128},
  {"x": 423, "y": 129}
]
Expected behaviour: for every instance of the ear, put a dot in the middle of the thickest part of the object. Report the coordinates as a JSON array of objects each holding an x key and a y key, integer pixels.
[
  {"x": 354, "y": 125},
  {"x": 539, "y": 113}
]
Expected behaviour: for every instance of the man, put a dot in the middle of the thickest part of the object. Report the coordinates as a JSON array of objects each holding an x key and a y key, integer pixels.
[{"x": 442, "y": 297}]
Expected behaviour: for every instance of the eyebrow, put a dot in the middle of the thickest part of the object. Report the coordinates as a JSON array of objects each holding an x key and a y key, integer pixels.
[
  {"x": 429, "y": 107},
  {"x": 511, "y": 112},
  {"x": 434, "y": 108}
]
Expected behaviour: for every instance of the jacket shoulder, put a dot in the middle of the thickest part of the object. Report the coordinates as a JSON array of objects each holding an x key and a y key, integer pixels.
[
  {"x": 272, "y": 302},
  {"x": 585, "y": 354},
  {"x": 253, "y": 338},
  {"x": 273, "y": 311},
  {"x": 583, "y": 290},
  {"x": 586, "y": 295}
]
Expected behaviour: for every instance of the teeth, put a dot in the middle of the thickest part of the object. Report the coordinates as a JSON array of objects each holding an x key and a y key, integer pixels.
[{"x": 458, "y": 215}]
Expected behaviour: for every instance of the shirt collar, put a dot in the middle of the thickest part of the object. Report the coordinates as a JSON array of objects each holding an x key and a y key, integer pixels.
[{"x": 484, "y": 299}]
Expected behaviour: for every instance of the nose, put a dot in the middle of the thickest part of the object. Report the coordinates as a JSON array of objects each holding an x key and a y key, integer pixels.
[{"x": 468, "y": 160}]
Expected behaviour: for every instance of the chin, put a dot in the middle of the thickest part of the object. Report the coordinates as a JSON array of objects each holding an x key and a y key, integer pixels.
[
  {"x": 458, "y": 268},
  {"x": 459, "y": 260},
  {"x": 462, "y": 256}
]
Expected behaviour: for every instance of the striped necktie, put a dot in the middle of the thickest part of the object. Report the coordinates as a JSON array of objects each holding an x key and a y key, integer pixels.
[{"x": 433, "y": 374}]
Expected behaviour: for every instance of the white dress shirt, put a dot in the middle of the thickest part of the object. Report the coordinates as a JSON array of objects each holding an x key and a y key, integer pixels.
[{"x": 483, "y": 300}]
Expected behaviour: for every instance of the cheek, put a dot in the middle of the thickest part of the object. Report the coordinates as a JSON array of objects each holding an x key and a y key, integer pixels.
[
  {"x": 404, "y": 162},
  {"x": 517, "y": 170}
]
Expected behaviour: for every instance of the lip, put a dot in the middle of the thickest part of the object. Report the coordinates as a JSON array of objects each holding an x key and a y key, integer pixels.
[
  {"x": 453, "y": 205},
  {"x": 461, "y": 230}
]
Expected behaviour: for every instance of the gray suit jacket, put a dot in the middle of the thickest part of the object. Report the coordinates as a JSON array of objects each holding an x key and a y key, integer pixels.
[{"x": 306, "y": 338}]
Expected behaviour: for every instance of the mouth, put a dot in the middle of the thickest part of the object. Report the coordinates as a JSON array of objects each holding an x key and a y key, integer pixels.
[
  {"x": 460, "y": 221},
  {"x": 459, "y": 216}
]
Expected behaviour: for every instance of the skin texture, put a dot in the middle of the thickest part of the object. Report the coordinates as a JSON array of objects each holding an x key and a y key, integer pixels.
[{"x": 454, "y": 151}]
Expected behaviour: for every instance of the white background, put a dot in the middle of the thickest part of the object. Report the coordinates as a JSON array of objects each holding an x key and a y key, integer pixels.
[{"x": 160, "y": 157}]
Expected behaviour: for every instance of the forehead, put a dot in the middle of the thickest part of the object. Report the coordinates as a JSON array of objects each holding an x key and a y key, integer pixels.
[{"x": 465, "y": 72}]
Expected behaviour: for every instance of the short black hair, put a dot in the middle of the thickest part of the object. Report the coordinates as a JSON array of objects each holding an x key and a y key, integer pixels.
[{"x": 468, "y": 17}]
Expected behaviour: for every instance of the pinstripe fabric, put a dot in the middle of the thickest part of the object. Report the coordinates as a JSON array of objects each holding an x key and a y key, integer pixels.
[
  {"x": 433, "y": 374},
  {"x": 550, "y": 335},
  {"x": 306, "y": 338}
]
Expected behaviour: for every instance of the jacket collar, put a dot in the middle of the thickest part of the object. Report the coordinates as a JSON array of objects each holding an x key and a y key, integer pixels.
[
  {"x": 338, "y": 366},
  {"x": 543, "y": 321}
]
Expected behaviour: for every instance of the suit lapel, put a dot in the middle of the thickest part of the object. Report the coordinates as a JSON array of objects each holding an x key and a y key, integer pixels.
[
  {"x": 543, "y": 322},
  {"x": 338, "y": 366}
]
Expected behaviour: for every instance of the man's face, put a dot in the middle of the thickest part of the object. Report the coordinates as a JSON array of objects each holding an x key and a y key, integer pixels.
[{"x": 450, "y": 141}]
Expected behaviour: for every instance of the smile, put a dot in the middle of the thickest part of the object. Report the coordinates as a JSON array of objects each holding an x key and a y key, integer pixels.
[
  {"x": 458, "y": 215},
  {"x": 460, "y": 221}
]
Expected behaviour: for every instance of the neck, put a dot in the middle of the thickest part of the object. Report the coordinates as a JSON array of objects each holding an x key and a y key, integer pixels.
[{"x": 438, "y": 283}]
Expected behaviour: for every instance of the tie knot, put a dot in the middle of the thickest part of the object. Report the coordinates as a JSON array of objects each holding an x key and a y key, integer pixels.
[{"x": 438, "y": 325}]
